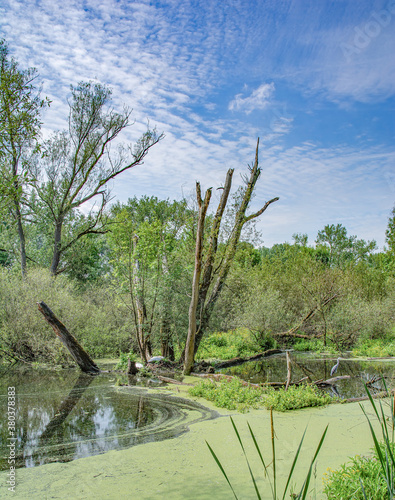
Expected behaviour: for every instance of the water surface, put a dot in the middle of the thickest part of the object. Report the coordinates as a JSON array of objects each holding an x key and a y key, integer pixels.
[
  {"x": 64, "y": 415},
  {"x": 274, "y": 369}
]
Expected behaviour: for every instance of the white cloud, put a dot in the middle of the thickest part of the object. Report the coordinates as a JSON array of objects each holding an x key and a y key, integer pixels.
[{"x": 258, "y": 99}]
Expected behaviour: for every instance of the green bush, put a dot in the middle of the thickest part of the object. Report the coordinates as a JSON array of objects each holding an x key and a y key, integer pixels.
[
  {"x": 233, "y": 394},
  {"x": 91, "y": 316},
  {"x": 345, "y": 482},
  {"x": 296, "y": 397},
  {"x": 315, "y": 345},
  {"x": 235, "y": 343},
  {"x": 375, "y": 348}
]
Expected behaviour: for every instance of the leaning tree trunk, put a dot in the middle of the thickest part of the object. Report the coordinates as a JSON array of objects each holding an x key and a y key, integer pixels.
[
  {"x": 83, "y": 359},
  {"x": 190, "y": 344}
]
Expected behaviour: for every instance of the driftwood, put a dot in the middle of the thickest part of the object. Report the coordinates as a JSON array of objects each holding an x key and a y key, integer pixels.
[
  {"x": 83, "y": 359},
  {"x": 171, "y": 380},
  {"x": 240, "y": 361},
  {"x": 382, "y": 394},
  {"x": 331, "y": 381}
]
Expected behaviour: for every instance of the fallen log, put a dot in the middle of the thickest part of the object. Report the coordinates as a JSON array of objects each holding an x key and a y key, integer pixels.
[
  {"x": 331, "y": 381},
  {"x": 171, "y": 380},
  {"x": 382, "y": 394},
  {"x": 83, "y": 359},
  {"x": 240, "y": 361}
]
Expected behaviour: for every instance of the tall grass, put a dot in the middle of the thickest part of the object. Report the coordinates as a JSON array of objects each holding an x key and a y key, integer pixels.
[{"x": 269, "y": 469}]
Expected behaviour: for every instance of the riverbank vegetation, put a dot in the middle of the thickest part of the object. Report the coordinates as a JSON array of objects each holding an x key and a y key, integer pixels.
[{"x": 235, "y": 395}]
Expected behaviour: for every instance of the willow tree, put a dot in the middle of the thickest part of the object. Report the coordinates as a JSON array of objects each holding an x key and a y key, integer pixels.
[
  {"x": 79, "y": 163},
  {"x": 20, "y": 106},
  {"x": 209, "y": 275}
]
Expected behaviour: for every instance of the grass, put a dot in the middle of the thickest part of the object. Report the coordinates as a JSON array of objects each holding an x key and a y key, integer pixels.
[
  {"x": 314, "y": 345},
  {"x": 269, "y": 469},
  {"x": 234, "y": 395},
  {"x": 375, "y": 348},
  {"x": 345, "y": 482}
]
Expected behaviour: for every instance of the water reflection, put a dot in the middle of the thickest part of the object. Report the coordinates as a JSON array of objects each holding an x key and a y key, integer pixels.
[
  {"x": 274, "y": 369},
  {"x": 62, "y": 416}
]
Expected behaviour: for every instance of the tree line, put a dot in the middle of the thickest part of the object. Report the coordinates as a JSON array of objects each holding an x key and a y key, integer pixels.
[{"x": 167, "y": 272}]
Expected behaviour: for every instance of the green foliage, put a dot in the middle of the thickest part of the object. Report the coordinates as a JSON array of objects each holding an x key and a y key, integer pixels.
[
  {"x": 296, "y": 397},
  {"x": 237, "y": 343},
  {"x": 233, "y": 394},
  {"x": 273, "y": 464},
  {"x": 89, "y": 315},
  {"x": 315, "y": 345},
  {"x": 371, "y": 477},
  {"x": 375, "y": 348},
  {"x": 123, "y": 360},
  {"x": 345, "y": 482}
]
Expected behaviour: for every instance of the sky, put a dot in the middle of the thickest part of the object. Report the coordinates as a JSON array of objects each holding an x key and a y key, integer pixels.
[{"x": 314, "y": 80}]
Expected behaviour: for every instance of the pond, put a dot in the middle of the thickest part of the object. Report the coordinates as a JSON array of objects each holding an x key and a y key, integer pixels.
[
  {"x": 65, "y": 415},
  {"x": 274, "y": 369}
]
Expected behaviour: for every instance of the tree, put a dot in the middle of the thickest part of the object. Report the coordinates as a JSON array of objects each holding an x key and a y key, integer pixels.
[
  {"x": 390, "y": 233},
  {"x": 343, "y": 248},
  {"x": 78, "y": 164},
  {"x": 145, "y": 239},
  {"x": 210, "y": 276},
  {"x": 20, "y": 106}
]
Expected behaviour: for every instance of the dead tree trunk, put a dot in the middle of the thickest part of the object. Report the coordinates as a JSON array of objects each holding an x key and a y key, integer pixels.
[
  {"x": 216, "y": 279},
  {"x": 83, "y": 359},
  {"x": 190, "y": 344}
]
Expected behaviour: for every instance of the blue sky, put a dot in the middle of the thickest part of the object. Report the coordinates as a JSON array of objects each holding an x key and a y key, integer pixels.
[{"x": 315, "y": 80}]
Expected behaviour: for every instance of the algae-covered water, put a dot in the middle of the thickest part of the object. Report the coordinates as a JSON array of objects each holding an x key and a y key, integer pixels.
[{"x": 121, "y": 434}]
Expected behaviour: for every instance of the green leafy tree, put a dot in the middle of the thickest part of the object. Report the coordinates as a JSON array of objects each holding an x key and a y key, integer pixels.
[
  {"x": 20, "y": 107},
  {"x": 78, "y": 164},
  {"x": 146, "y": 242},
  {"x": 390, "y": 233},
  {"x": 342, "y": 248}
]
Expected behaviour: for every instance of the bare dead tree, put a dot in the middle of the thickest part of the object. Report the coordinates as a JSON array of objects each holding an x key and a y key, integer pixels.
[{"x": 209, "y": 287}]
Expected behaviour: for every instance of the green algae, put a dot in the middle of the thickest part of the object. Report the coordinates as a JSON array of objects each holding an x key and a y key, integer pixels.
[{"x": 182, "y": 468}]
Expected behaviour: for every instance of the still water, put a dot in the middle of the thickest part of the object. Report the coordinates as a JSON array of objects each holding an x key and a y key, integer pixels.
[
  {"x": 62, "y": 416},
  {"x": 274, "y": 369}
]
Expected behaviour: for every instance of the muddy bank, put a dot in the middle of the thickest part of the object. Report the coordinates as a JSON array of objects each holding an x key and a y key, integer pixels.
[{"x": 182, "y": 468}]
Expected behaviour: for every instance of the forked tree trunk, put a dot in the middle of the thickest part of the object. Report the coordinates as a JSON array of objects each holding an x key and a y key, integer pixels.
[
  {"x": 213, "y": 282},
  {"x": 83, "y": 359},
  {"x": 190, "y": 344}
]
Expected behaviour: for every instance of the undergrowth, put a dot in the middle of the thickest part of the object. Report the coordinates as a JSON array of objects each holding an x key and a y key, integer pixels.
[
  {"x": 234, "y": 395},
  {"x": 235, "y": 343}
]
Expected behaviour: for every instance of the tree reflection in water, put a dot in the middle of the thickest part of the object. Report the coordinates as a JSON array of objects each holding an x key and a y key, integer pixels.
[{"x": 56, "y": 423}]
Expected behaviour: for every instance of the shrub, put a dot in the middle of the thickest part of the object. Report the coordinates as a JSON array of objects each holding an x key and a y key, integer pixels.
[
  {"x": 233, "y": 394},
  {"x": 296, "y": 397},
  {"x": 235, "y": 343},
  {"x": 99, "y": 326},
  {"x": 345, "y": 482},
  {"x": 376, "y": 348}
]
